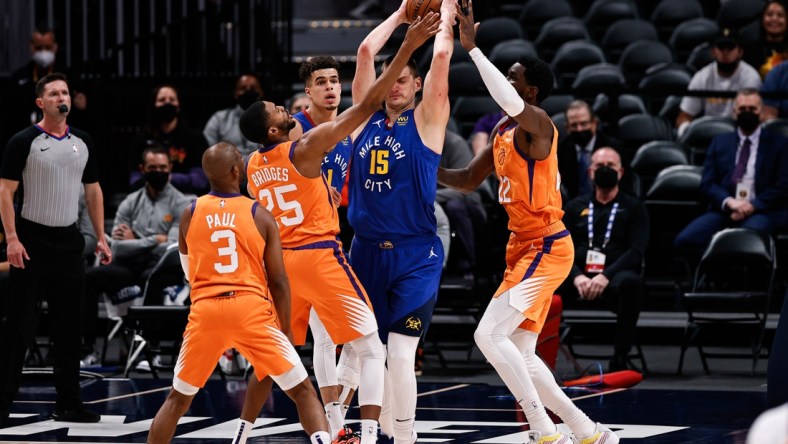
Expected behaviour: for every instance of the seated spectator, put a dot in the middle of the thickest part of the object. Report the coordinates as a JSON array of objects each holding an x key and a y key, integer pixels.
[
  {"x": 480, "y": 134},
  {"x": 465, "y": 211},
  {"x": 574, "y": 152},
  {"x": 223, "y": 124},
  {"x": 745, "y": 181},
  {"x": 168, "y": 128},
  {"x": 298, "y": 103},
  {"x": 609, "y": 257},
  {"x": 726, "y": 73},
  {"x": 768, "y": 50},
  {"x": 146, "y": 223},
  {"x": 776, "y": 82}
]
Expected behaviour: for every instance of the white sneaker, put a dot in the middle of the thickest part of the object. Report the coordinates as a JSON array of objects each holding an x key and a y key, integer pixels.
[
  {"x": 144, "y": 365},
  {"x": 89, "y": 361},
  {"x": 535, "y": 437},
  {"x": 602, "y": 435}
]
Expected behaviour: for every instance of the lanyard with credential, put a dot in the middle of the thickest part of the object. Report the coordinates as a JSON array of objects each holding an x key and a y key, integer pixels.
[{"x": 608, "y": 230}]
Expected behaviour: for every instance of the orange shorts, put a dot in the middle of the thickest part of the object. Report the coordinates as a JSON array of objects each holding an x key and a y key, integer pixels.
[
  {"x": 321, "y": 277},
  {"x": 246, "y": 322},
  {"x": 535, "y": 268}
]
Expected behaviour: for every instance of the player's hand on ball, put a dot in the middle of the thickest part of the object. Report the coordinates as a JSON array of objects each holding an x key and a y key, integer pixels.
[{"x": 422, "y": 29}]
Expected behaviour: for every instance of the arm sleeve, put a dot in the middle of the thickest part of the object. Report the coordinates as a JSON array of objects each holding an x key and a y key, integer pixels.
[{"x": 500, "y": 89}]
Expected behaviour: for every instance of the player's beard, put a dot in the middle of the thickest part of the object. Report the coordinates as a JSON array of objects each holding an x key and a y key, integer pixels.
[{"x": 287, "y": 125}]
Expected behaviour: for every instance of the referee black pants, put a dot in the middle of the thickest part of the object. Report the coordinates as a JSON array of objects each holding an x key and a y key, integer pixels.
[{"x": 55, "y": 272}]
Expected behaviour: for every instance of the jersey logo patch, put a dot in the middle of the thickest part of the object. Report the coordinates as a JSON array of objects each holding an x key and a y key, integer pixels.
[
  {"x": 221, "y": 203},
  {"x": 402, "y": 120}
]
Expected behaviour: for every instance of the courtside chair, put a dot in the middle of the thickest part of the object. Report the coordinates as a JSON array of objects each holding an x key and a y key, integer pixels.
[
  {"x": 739, "y": 13},
  {"x": 558, "y": 31},
  {"x": 604, "y": 13},
  {"x": 623, "y": 32},
  {"x": 732, "y": 288},
  {"x": 654, "y": 157},
  {"x": 495, "y": 30},
  {"x": 536, "y": 13},
  {"x": 641, "y": 55},
  {"x": 700, "y": 132},
  {"x": 688, "y": 35},
  {"x": 505, "y": 54},
  {"x": 699, "y": 57},
  {"x": 573, "y": 56},
  {"x": 671, "y": 14}
]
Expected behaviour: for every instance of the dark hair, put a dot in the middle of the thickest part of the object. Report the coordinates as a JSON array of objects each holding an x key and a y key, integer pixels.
[
  {"x": 154, "y": 148},
  {"x": 581, "y": 104},
  {"x": 254, "y": 123},
  {"x": 315, "y": 63},
  {"x": 42, "y": 28},
  {"x": 766, "y": 5},
  {"x": 153, "y": 126},
  {"x": 47, "y": 79},
  {"x": 538, "y": 74},
  {"x": 414, "y": 69}
]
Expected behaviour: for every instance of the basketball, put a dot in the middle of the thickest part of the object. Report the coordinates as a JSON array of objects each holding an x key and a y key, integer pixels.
[{"x": 420, "y": 8}]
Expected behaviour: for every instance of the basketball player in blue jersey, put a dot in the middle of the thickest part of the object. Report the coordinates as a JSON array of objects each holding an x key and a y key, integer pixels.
[
  {"x": 396, "y": 252},
  {"x": 321, "y": 84}
]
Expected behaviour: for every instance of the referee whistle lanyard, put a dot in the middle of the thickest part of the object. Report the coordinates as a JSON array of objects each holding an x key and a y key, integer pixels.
[{"x": 608, "y": 229}]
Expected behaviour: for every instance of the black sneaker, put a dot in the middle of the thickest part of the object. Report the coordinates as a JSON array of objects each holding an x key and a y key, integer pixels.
[{"x": 78, "y": 414}]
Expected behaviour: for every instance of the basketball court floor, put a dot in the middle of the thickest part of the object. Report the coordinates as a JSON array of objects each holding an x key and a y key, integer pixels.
[{"x": 447, "y": 413}]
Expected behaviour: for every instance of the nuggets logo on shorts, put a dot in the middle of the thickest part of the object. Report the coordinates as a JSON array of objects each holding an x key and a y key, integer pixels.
[
  {"x": 386, "y": 245},
  {"x": 413, "y": 324}
]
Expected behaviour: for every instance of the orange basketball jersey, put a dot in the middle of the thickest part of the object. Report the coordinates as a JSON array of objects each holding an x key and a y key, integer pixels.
[
  {"x": 529, "y": 189},
  {"x": 301, "y": 205},
  {"x": 225, "y": 248}
]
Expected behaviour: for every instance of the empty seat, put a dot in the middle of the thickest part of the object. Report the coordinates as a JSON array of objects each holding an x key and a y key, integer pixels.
[
  {"x": 779, "y": 126},
  {"x": 556, "y": 104},
  {"x": 669, "y": 14},
  {"x": 654, "y": 157},
  {"x": 536, "y": 13},
  {"x": 604, "y": 13},
  {"x": 699, "y": 57},
  {"x": 467, "y": 110},
  {"x": 558, "y": 31},
  {"x": 732, "y": 289},
  {"x": 464, "y": 79},
  {"x": 506, "y": 53},
  {"x": 625, "y": 105},
  {"x": 670, "y": 108},
  {"x": 599, "y": 77},
  {"x": 637, "y": 129},
  {"x": 701, "y": 131},
  {"x": 639, "y": 56},
  {"x": 622, "y": 33},
  {"x": 690, "y": 34},
  {"x": 459, "y": 54},
  {"x": 571, "y": 57},
  {"x": 738, "y": 13},
  {"x": 658, "y": 83},
  {"x": 495, "y": 30},
  {"x": 559, "y": 120}
]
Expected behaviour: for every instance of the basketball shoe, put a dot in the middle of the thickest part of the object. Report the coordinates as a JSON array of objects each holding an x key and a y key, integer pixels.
[
  {"x": 602, "y": 435},
  {"x": 535, "y": 437}
]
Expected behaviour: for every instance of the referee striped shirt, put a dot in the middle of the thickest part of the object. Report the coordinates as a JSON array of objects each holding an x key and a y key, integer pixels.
[{"x": 51, "y": 171}]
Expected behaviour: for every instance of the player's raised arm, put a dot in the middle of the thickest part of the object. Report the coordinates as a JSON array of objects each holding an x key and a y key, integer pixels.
[
  {"x": 324, "y": 136},
  {"x": 434, "y": 107},
  {"x": 274, "y": 266},
  {"x": 369, "y": 48},
  {"x": 530, "y": 118}
]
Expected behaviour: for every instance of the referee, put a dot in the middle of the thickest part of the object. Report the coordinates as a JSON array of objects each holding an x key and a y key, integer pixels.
[{"x": 51, "y": 161}]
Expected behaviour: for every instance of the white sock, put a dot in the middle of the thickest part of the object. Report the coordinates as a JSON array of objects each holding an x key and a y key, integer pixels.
[
  {"x": 403, "y": 431},
  {"x": 369, "y": 431},
  {"x": 242, "y": 431},
  {"x": 537, "y": 416},
  {"x": 335, "y": 420},
  {"x": 345, "y": 409},
  {"x": 320, "y": 437}
]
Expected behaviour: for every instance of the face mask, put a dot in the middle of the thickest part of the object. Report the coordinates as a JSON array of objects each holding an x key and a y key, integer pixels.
[
  {"x": 44, "y": 58},
  {"x": 581, "y": 138},
  {"x": 605, "y": 177},
  {"x": 165, "y": 113},
  {"x": 246, "y": 99},
  {"x": 727, "y": 68},
  {"x": 748, "y": 121},
  {"x": 157, "y": 179}
]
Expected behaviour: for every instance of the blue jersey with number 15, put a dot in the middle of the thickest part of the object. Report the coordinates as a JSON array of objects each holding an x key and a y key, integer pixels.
[{"x": 393, "y": 179}]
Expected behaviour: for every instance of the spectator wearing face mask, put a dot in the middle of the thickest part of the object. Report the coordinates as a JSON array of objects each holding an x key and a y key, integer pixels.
[
  {"x": 745, "y": 181},
  {"x": 145, "y": 224},
  {"x": 728, "y": 72},
  {"x": 223, "y": 124},
  {"x": 574, "y": 152},
  {"x": 610, "y": 232},
  {"x": 168, "y": 128},
  {"x": 19, "y": 110}
]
